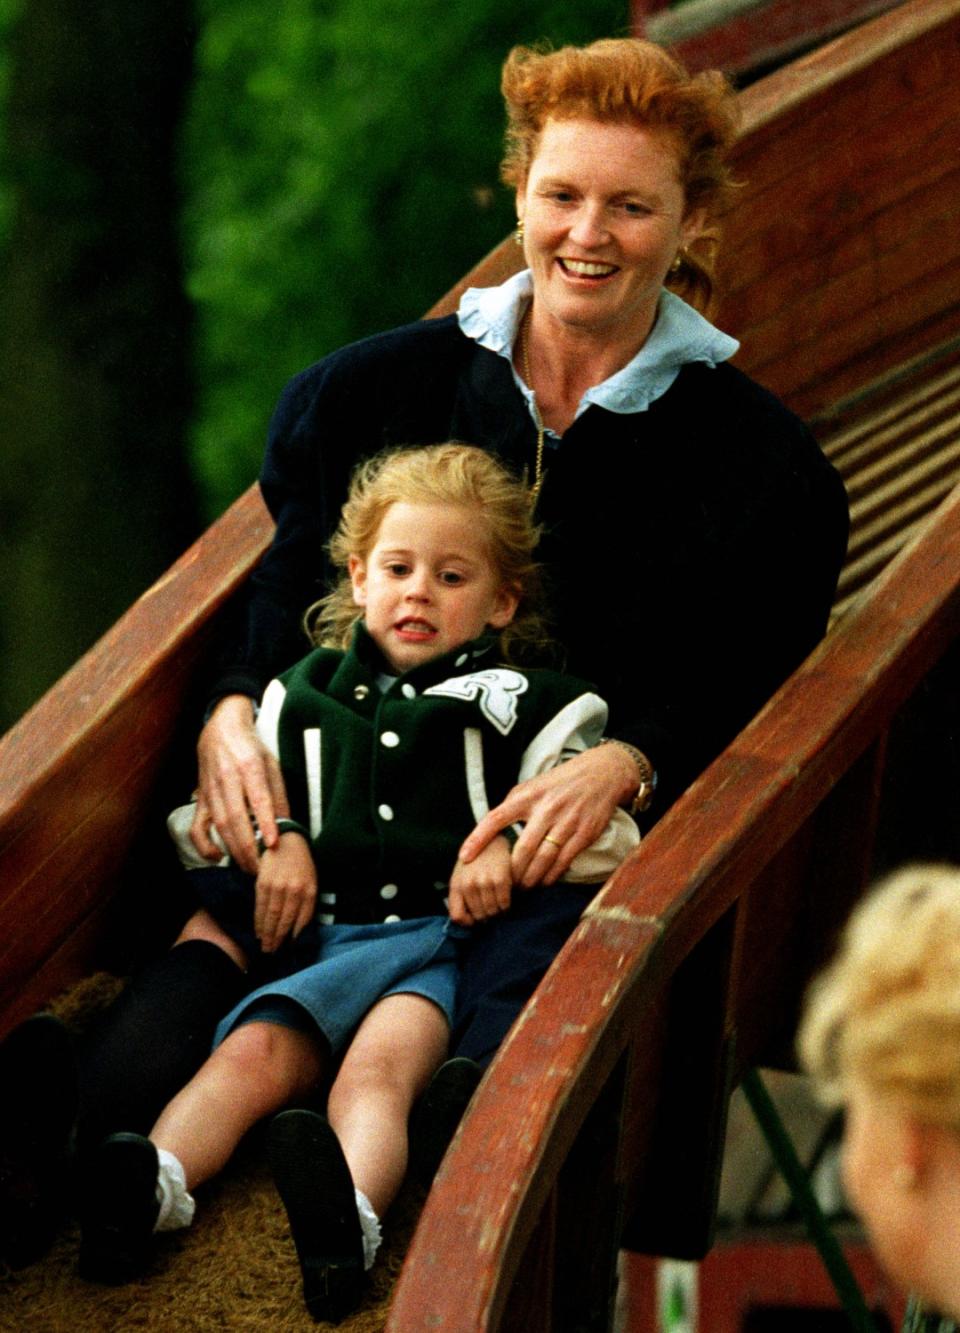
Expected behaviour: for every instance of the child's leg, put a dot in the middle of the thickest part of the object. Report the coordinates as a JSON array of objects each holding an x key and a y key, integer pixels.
[
  {"x": 135, "y": 1186},
  {"x": 154, "y": 1037},
  {"x": 397, "y": 1047},
  {"x": 203, "y": 926},
  {"x": 258, "y": 1069},
  {"x": 321, "y": 1175}
]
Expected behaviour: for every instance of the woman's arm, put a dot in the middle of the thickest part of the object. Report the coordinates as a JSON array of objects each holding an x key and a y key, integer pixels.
[
  {"x": 563, "y": 810},
  {"x": 238, "y": 778}
]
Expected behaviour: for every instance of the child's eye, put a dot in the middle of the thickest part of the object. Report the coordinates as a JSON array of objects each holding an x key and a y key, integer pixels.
[
  {"x": 451, "y": 577},
  {"x": 398, "y": 568}
]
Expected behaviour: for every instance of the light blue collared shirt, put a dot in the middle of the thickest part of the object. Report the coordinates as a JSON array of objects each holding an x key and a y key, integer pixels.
[{"x": 491, "y": 316}]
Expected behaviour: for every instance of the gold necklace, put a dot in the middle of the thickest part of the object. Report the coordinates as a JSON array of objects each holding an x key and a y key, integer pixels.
[{"x": 538, "y": 462}]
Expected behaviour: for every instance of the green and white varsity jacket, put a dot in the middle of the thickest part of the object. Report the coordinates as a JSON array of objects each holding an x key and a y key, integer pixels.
[{"x": 387, "y": 782}]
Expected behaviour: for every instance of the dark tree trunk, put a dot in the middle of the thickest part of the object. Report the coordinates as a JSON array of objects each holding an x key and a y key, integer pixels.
[{"x": 95, "y": 497}]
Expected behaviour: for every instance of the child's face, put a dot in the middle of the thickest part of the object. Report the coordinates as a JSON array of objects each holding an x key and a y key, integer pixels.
[{"x": 428, "y": 585}]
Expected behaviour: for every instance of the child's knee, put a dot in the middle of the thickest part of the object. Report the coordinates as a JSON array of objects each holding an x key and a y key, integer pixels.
[
  {"x": 267, "y": 1053},
  {"x": 373, "y": 1073}
]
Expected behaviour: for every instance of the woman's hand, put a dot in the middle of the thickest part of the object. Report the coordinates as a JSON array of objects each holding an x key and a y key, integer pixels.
[
  {"x": 286, "y": 891},
  {"x": 564, "y": 810},
  {"x": 238, "y": 777},
  {"x": 482, "y": 888}
]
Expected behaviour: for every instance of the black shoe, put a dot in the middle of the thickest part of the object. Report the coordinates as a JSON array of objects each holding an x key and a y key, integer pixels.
[
  {"x": 316, "y": 1187},
  {"x": 438, "y": 1113},
  {"x": 118, "y": 1210},
  {"x": 38, "y": 1111}
]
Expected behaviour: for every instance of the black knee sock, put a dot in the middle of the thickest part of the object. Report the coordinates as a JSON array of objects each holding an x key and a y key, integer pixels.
[{"x": 153, "y": 1039}]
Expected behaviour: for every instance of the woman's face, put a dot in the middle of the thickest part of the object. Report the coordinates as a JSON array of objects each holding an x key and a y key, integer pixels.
[
  {"x": 604, "y": 216},
  {"x": 878, "y": 1145}
]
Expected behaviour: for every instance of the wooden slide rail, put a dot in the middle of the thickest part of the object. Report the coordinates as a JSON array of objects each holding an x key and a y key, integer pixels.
[{"x": 842, "y": 264}]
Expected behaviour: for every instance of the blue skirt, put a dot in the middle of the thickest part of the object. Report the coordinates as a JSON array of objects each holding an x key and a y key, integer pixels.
[{"x": 355, "y": 966}]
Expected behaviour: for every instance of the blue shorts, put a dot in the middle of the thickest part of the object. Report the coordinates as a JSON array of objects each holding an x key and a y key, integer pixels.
[{"x": 353, "y": 967}]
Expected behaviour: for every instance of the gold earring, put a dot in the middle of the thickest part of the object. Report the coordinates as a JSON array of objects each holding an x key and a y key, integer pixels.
[{"x": 518, "y": 234}]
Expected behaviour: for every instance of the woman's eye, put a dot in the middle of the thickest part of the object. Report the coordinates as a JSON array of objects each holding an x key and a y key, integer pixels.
[{"x": 636, "y": 210}]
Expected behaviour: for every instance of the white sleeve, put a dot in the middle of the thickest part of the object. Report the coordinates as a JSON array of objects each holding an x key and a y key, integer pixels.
[
  {"x": 598, "y": 861},
  {"x": 180, "y": 820},
  {"x": 576, "y": 728},
  {"x": 268, "y": 718},
  {"x": 178, "y": 826}
]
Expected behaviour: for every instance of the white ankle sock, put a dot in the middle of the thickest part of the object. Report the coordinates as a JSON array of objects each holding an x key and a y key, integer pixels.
[
  {"x": 370, "y": 1226},
  {"x": 176, "y": 1204}
]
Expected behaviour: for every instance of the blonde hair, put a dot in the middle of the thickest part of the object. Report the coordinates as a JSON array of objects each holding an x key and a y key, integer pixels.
[
  {"x": 629, "y": 81},
  {"x": 455, "y": 474},
  {"x": 886, "y": 1012}
]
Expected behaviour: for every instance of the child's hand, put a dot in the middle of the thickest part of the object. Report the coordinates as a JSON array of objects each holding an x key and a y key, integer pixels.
[
  {"x": 482, "y": 888},
  {"x": 286, "y": 891}
]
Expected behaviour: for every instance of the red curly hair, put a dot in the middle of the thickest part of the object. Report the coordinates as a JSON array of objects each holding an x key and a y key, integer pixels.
[{"x": 630, "y": 81}]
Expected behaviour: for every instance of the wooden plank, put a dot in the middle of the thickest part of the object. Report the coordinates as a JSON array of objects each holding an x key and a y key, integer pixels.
[
  {"x": 740, "y": 36},
  {"x": 897, "y": 448},
  {"x": 840, "y": 258},
  {"x": 831, "y": 233},
  {"x": 77, "y": 770},
  {"x": 804, "y": 82}
]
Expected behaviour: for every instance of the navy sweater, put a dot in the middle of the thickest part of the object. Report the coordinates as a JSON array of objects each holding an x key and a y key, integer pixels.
[{"x": 692, "y": 549}]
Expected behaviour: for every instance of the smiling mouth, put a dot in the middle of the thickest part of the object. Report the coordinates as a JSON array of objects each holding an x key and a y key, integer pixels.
[{"x": 582, "y": 268}]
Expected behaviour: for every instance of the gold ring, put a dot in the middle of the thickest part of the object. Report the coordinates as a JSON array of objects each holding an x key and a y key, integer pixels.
[{"x": 551, "y": 840}]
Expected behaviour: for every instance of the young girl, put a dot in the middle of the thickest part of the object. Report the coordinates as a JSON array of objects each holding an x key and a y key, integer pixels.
[{"x": 393, "y": 744}]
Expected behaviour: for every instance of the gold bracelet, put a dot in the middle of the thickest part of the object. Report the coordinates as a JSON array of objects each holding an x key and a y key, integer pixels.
[{"x": 643, "y": 797}]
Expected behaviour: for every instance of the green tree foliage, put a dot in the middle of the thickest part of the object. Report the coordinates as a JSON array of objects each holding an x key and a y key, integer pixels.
[
  {"x": 9, "y": 9},
  {"x": 342, "y": 173},
  {"x": 338, "y": 171}
]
